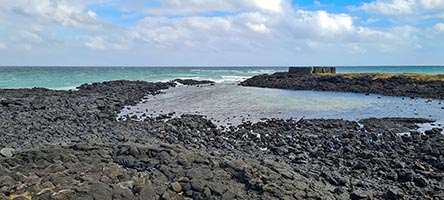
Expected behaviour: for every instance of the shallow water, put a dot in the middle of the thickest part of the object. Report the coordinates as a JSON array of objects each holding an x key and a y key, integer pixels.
[{"x": 229, "y": 104}]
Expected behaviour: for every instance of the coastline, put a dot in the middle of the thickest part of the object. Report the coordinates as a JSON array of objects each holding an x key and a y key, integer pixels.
[
  {"x": 71, "y": 77},
  {"x": 414, "y": 86},
  {"x": 62, "y": 138}
]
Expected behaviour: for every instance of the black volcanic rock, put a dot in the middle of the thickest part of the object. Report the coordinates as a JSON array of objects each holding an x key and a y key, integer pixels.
[
  {"x": 367, "y": 84},
  {"x": 193, "y": 82},
  {"x": 69, "y": 145}
]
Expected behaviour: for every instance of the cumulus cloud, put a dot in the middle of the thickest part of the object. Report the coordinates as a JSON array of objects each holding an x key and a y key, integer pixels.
[
  {"x": 206, "y": 31},
  {"x": 192, "y": 7},
  {"x": 394, "y": 7},
  {"x": 403, "y": 7},
  {"x": 248, "y": 31},
  {"x": 63, "y": 12},
  {"x": 333, "y": 23}
]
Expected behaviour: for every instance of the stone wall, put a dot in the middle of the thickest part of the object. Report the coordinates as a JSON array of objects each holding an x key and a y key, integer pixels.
[
  {"x": 331, "y": 70},
  {"x": 311, "y": 70},
  {"x": 301, "y": 70}
]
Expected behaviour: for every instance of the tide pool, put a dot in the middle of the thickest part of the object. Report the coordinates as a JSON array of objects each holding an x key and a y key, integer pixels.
[{"x": 229, "y": 103}]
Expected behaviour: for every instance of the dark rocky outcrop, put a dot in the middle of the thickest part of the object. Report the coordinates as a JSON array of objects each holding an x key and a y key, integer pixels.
[
  {"x": 193, "y": 82},
  {"x": 368, "y": 84},
  {"x": 36, "y": 117}
]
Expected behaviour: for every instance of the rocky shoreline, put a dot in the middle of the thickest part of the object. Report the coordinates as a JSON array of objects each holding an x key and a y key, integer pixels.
[
  {"x": 396, "y": 85},
  {"x": 69, "y": 145}
]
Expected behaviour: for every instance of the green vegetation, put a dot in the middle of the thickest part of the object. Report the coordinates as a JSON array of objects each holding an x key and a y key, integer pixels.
[{"x": 378, "y": 76}]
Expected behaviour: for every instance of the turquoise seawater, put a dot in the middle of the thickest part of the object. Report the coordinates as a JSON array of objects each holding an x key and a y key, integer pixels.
[{"x": 72, "y": 77}]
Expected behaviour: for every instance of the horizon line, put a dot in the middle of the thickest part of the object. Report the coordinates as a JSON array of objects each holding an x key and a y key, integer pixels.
[{"x": 234, "y": 66}]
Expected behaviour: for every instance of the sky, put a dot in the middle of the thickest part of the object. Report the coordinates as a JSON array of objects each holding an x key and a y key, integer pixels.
[{"x": 221, "y": 32}]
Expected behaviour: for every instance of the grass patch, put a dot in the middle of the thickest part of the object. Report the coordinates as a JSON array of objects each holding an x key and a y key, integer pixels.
[{"x": 376, "y": 76}]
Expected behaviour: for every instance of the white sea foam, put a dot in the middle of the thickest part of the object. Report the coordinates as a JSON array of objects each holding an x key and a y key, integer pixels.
[
  {"x": 261, "y": 71},
  {"x": 193, "y": 77},
  {"x": 234, "y": 78},
  {"x": 235, "y": 71}
]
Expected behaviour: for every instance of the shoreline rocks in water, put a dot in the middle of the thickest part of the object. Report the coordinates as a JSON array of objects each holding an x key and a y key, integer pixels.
[
  {"x": 420, "y": 86},
  {"x": 69, "y": 145},
  {"x": 193, "y": 82}
]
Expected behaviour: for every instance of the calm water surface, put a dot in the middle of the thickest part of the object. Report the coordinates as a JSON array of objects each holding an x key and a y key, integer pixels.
[{"x": 229, "y": 103}]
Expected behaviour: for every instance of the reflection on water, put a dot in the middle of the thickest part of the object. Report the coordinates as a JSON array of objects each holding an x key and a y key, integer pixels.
[{"x": 229, "y": 103}]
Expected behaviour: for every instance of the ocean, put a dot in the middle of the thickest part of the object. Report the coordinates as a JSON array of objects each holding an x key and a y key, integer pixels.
[{"x": 72, "y": 77}]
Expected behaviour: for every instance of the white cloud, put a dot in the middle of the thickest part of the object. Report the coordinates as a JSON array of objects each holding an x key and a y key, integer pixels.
[
  {"x": 334, "y": 23},
  {"x": 433, "y": 4},
  {"x": 92, "y": 14},
  {"x": 63, "y": 12},
  {"x": 261, "y": 28},
  {"x": 192, "y": 7},
  {"x": 100, "y": 43},
  {"x": 403, "y": 7},
  {"x": 188, "y": 32},
  {"x": 249, "y": 31},
  {"x": 439, "y": 27},
  {"x": 48, "y": 24},
  {"x": 393, "y": 7},
  {"x": 269, "y": 5}
]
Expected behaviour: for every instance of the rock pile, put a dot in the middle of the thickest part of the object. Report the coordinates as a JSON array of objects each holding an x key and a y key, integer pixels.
[
  {"x": 69, "y": 145},
  {"x": 148, "y": 171}
]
